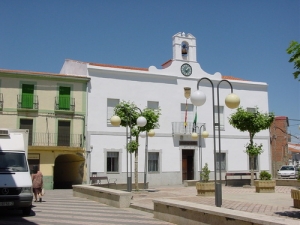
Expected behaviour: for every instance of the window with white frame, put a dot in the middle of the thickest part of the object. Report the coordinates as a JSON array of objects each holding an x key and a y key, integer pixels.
[
  {"x": 221, "y": 158},
  {"x": 152, "y": 105},
  {"x": 111, "y": 104},
  {"x": 221, "y": 111},
  {"x": 153, "y": 161},
  {"x": 255, "y": 163},
  {"x": 253, "y": 110},
  {"x": 112, "y": 161}
]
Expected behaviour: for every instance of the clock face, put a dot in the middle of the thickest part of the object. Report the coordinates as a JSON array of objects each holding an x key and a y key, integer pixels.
[{"x": 186, "y": 69}]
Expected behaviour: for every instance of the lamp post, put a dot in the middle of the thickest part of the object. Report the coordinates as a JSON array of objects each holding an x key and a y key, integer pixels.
[
  {"x": 141, "y": 122},
  {"x": 204, "y": 134},
  {"x": 145, "y": 134},
  {"x": 232, "y": 101}
]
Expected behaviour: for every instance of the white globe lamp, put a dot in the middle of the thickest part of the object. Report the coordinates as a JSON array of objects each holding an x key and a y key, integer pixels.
[
  {"x": 232, "y": 101},
  {"x": 198, "y": 98},
  {"x": 115, "y": 120}
]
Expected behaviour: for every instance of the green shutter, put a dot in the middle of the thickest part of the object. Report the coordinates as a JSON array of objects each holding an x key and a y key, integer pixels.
[
  {"x": 27, "y": 96},
  {"x": 64, "y": 98}
]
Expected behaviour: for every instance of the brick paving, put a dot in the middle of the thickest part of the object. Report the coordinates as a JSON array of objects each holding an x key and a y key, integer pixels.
[{"x": 279, "y": 203}]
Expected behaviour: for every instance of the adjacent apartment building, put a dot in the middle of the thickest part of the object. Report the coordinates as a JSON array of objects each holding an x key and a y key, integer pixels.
[
  {"x": 173, "y": 155},
  {"x": 53, "y": 108}
]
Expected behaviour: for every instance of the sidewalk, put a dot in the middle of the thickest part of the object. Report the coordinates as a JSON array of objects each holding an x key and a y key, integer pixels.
[{"x": 279, "y": 203}]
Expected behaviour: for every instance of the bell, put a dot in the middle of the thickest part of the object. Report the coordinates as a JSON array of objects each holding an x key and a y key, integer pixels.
[{"x": 184, "y": 51}]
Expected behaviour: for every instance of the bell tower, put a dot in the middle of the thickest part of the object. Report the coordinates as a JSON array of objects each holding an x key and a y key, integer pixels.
[{"x": 184, "y": 47}]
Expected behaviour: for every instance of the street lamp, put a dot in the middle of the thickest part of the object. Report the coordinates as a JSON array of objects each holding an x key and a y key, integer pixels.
[
  {"x": 232, "y": 101},
  {"x": 204, "y": 134},
  {"x": 146, "y": 134},
  {"x": 141, "y": 122}
]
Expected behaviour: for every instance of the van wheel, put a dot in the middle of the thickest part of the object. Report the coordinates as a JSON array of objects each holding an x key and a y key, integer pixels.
[{"x": 26, "y": 211}]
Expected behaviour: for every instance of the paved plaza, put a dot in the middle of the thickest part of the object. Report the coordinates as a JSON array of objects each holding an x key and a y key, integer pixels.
[
  {"x": 279, "y": 203},
  {"x": 60, "y": 207}
]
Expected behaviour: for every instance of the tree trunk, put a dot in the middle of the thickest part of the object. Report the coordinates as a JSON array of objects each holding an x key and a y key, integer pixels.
[
  {"x": 252, "y": 170},
  {"x": 136, "y": 166}
]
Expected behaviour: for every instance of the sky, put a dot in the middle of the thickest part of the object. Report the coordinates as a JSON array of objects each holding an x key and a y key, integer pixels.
[{"x": 240, "y": 38}]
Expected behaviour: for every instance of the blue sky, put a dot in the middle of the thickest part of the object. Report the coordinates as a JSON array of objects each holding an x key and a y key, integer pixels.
[{"x": 245, "y": 39}]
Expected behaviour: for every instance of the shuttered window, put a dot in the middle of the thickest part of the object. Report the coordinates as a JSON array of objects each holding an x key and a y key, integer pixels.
[
  {"x": 27, "y": 96},
  {"x": 64, "y": 98},
  {"x": 112, "y": 162},
  {"x": 63, "y": 134}
]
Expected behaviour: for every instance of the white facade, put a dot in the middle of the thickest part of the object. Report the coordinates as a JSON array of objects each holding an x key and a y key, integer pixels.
[{"x": 166, "y": 86}]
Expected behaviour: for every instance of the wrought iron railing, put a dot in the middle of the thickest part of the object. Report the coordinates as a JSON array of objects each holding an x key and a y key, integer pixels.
[
  {"x": 28, "y": 101},
  {"x": 53, "y": 139},
  {"x": 1, "y": 101},
  {"x": 65, "y": 103},
  {"x": 179, "y": 128}
]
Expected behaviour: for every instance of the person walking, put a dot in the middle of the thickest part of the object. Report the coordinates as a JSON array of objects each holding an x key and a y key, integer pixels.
[{"x": 37, "y": 184}]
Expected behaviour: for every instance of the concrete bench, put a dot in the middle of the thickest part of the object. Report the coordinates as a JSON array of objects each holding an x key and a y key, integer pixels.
[
  {"x": 112, "y": 197},
  {"x": 98, "y": 180},
  {"x": 188, "y": 213},
  {"x": 240, "y": 176}
]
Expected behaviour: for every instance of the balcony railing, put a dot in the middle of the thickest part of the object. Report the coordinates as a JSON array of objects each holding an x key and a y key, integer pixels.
[
  {"x": 53, "y": 139},
  {"x": 65, "y": 103},
  {"x": 1, "y": 101},
  {"x": 28, "y": 101},
  {"x": 178, "y": 128}
]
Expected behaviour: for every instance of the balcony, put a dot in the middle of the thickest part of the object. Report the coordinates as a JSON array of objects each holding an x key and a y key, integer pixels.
[
  {"x": 27, "y": 102},
  {"x": 52, "y": 139},
  {"x": 65, "y": 104},
  {"x": 178, "y": 128},
  {"x": 1, "y": 101}
]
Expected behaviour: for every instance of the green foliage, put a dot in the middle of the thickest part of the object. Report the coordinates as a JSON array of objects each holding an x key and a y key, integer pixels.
[
  {"x": 132, "y": 146},
  {"x": 205, "y": 173},
  {"x": 294, "y": 51},
  {"x": 129, "y": 112},
  {"x": 254, "y": 149},
  {"x": 264, "y": 175},
  {"x": 251, "y": 122}
]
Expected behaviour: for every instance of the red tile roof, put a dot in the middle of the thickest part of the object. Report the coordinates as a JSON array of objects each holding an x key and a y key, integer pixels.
[{"x": 120, "y": 67}]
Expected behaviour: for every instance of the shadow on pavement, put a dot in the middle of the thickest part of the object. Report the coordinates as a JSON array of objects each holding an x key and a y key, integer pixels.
[{"x": 291, "y": 214}]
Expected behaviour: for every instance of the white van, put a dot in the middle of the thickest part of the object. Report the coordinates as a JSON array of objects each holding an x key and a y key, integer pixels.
[{"x": 15, "y": 179}]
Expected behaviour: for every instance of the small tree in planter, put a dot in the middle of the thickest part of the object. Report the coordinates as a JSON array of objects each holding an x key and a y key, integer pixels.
[
  {"x": 265, "y": 184},
  {"x": 204, "y": 174},
  {"x": 204, "y": 187}
]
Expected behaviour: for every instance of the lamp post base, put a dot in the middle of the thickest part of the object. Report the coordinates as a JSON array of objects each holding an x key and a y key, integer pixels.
[
  {"x": 218, "y": 195},
  {"x": 129, "y": 184}
]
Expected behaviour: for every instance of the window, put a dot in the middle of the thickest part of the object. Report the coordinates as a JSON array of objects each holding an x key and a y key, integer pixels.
[
  {"x": 221, "y": 116},
  {"x": 112, "y": 162},
  {"x": 63, "y": 134},
  {"x": 64, "y": 98},
  {"x": 27, "y": 96},
  {"x": 222, "y": 160},
  {"x": 152, "y": 105},
  {"x": 255, "y": 163},
  {"x": 111, "y": 104},
  {"x": 27, "y": 124},
  {"x": 153, "y": 161},
  {"x": 253, "y": 110},
  {"x": 188, "y": 111}
]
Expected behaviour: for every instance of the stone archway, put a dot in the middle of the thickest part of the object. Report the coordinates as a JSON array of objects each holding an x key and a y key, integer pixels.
[{"x": 68, "y": 170}]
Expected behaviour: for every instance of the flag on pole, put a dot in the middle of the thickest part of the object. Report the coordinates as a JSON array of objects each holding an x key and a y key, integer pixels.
[{"x": 195, "y": 121}]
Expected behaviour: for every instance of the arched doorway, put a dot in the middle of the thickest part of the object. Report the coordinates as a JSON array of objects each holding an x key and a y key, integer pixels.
[{"x": 68, "y": 170}]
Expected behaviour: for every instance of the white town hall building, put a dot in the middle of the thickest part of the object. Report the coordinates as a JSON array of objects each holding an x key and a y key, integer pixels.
[{"x": 173, "y": 155}]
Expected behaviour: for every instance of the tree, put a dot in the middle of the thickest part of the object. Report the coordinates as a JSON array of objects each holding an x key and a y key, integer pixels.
[
  {"x": 253, "y": 123},
  {"x": 129, "y": 112},
  {"x": 294, "y": 51}
]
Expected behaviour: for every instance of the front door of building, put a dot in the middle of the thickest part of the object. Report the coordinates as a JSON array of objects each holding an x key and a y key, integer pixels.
[{"x": 188, "y": 164}]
